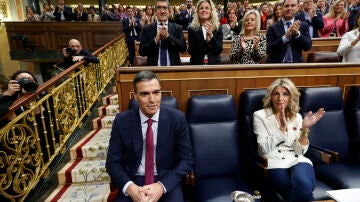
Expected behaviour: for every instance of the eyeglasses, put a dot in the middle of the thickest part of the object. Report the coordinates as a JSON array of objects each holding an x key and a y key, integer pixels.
[{"x": 164, "y": 8}]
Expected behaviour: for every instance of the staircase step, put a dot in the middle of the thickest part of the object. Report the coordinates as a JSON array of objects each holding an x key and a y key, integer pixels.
[
  {"x": 111, "y": 99},
  {"x": 108, "y": 110},
  {"x": 92, "y": 192},
  {"x": 93, "y": 145},
  {"x": 80, "y": 171},
  {"x": 103, "y": 122}
]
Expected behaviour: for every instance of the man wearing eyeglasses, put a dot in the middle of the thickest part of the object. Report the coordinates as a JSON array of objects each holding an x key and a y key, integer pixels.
[
  {"x": 311, "y": 17},
  {"x": 162, "y": 41}
]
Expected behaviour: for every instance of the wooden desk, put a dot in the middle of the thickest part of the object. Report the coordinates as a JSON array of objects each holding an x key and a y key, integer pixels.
[{"x": 186, "y": 81}]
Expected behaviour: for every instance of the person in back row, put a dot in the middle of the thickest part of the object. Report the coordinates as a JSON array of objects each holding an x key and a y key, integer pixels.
[
  {"x": 205, "y": 35},
  {"x": 311, "y": 17},
  {"x": 162, "y": 41},
  {"x": 349, "y": 47},
  {"x": 250, "y": 46},
  {"x": 287, "y": 38}
]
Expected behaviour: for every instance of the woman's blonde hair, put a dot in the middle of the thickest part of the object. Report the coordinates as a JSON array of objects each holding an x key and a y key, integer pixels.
[
  {"x": 331, "y": 13},
  {"x": 294, "y": 95},
  {"x": 258, "y": 22},
  {"x": 214, "y": 18}
]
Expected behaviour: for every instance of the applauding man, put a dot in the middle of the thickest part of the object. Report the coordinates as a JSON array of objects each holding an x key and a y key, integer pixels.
[
  {"x": 162, "y": 41},
  {"x": 287, "y": 38}
]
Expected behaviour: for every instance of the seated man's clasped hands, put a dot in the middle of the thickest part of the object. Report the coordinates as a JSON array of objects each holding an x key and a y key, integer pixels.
[{"x": 282, "y": 137}]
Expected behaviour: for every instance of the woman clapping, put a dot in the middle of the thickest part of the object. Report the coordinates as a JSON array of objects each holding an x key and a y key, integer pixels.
[{"x": 250, "y": 46}]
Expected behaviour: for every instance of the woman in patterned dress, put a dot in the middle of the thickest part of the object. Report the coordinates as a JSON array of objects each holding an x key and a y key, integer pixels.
[{"x": 249, "y": 47}]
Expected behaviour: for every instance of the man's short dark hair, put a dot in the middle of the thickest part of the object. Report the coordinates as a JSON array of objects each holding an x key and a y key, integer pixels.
[
  {"x": 167, "y": 1},
  {"x": 144, "y": 76},
  {"x": 283, "y": 2},
  {"x": 15, "y": 74}
]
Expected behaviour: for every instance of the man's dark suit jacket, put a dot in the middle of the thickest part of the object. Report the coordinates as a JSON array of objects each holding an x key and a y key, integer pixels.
[
  {"x": 198, "y": 47},
  {"x": 176, "y": 43},
  {"x": 276, "y": 49},
  {"x": 67, "y": 13},
  {"x": 82, "y": 17},
  {"x": 127, "y": 29},
  {"x": 183, "y": 20},
  {"x": 173, "y": 149},
  {"x": 316, "y": 22},
  {"x": 353, "y": 13}
]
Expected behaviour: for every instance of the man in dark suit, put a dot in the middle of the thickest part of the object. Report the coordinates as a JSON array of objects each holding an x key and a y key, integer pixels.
[
  {"x": 186, "y": 16},
  {"x": 132, "y": 29},
  {"x": 311, "y": 17},
  {"x": 287, "y": 38},
  {"x": 80, "y": 14},
  {"x": 162, "y": 41},
  {"x": 63, "y": 12},
  {"x": 127, "y": 159},
  {"x": 353, "y": 13}
]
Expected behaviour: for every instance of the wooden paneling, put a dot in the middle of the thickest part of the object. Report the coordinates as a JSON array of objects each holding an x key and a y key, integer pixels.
[
  {"x": 186, "y": 81},
  {"x": 46, "y": 37}
]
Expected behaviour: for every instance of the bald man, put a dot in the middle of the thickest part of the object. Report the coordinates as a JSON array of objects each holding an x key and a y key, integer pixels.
[{"x": 75, "y": 53}]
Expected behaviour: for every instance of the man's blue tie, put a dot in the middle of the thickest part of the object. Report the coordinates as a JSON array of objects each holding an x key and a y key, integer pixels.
[
  {"x": 163, "y": 52},
  {"x": 288, "y": 55}
]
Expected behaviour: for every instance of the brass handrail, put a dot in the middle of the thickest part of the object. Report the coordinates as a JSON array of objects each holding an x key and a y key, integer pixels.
[{"x": 30, "y": 142}]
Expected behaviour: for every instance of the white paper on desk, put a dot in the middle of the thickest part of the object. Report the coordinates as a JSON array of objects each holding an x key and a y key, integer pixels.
[{"x": 345, "y": 195}]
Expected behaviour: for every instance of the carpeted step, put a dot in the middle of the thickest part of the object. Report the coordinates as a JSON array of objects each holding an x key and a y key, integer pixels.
[
  {"x": 94, "y": 192},
  {"x": 103, "y": 122},
  {"x": 111, "y": 99},
  {"x": 108, "y": 110},
  {"x": 93, "y": 145},
  {"x": 80, "y": 171}
]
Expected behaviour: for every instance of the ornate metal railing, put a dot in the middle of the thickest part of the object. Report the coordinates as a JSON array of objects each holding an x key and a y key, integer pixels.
[{"x": 30, "y": 142}]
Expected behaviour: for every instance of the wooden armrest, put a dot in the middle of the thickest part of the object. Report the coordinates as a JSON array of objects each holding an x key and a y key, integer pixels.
[
  {"x": 262, "y": 169},
  {"x": 320, "y": 155},
  {"x": 334, "y": 155},
  {"x": 262, "y": 160}
]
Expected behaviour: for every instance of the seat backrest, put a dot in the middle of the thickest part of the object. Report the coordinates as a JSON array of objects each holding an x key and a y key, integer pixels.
[
  {"x": 250, "y": 101},
  {"x": 140, "y": 61},
  {"x": 213, "y": 130},
  {"x": 330, "y": 132},
  {"x": 352, "y": 112},
  {"x": 169, "y": 101},
  {"x": 320, "y": 57}
]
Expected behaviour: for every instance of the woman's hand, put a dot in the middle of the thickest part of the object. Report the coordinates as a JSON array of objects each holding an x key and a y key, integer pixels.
[
  {"x": 256, "y": 41},
  {"x": 310, "y": 118},
  {"x": 242, "y": 43},
  {"x": 209, "y": 34}
]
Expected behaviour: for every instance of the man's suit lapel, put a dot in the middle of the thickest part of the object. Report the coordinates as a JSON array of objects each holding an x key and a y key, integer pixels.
[
  {"x": 281, "y": 28},
  {"x": 162, "y": 133},
  {"x": 136, "y": 135}
]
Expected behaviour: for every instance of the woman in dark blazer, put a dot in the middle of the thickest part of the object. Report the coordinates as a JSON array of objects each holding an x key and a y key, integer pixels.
[{"x": 205, "y": 35}]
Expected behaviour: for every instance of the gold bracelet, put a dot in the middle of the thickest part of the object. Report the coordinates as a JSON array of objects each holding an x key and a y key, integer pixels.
[{"x": 305, "y": 133}]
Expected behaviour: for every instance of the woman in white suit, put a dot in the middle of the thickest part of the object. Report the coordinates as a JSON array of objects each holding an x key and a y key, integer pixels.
[{"x": 282, "y": 136}]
